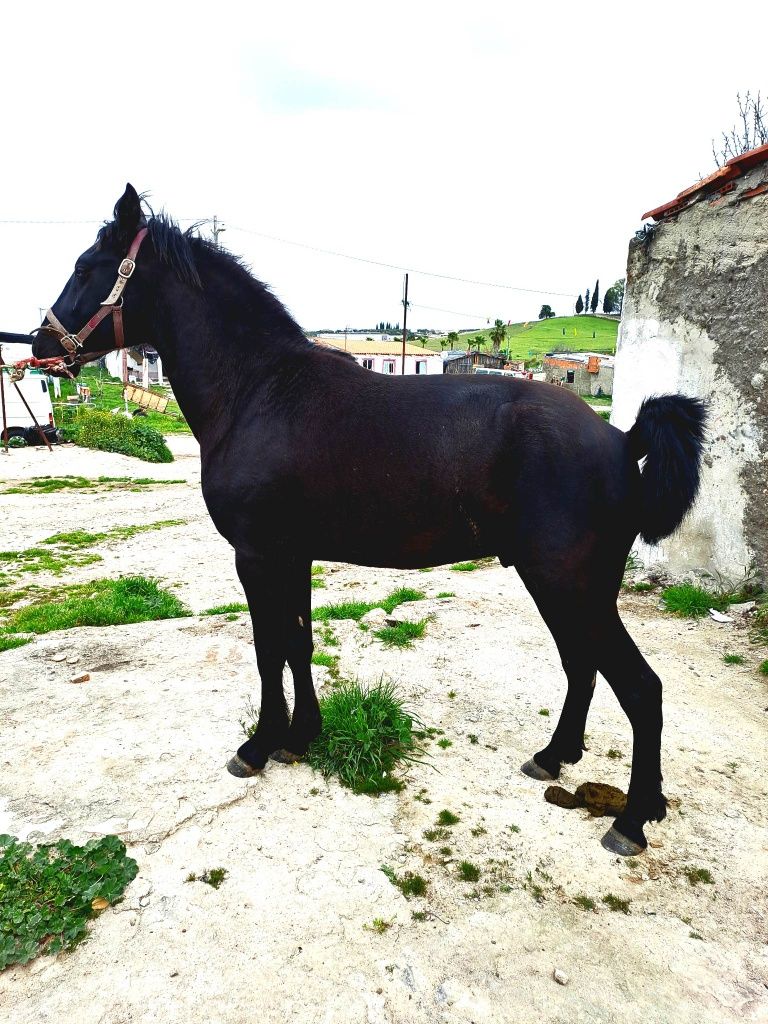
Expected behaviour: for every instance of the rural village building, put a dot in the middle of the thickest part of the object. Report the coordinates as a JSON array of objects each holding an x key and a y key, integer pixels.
[
  {"x": 471, "y": 362},
  {"x": 696, "y": 321},
  {"x": 385, "y": 356},
  {"x": 586, "y": 373}
]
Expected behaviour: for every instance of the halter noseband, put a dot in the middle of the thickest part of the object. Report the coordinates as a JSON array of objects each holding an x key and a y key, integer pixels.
[{"x": 111, "y": 306}]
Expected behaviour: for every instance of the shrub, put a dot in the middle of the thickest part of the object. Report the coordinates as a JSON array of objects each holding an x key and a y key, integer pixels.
[{"x": 110, "y": 433}]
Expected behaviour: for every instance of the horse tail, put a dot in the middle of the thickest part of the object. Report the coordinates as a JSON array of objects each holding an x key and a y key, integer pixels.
[{"x": 669, "y": 433}]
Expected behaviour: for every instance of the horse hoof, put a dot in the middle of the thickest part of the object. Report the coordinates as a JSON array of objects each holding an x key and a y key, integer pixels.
[
  {"x": 535, "y": 771},
  {"x": 285, "y": 757},
  {"x": 237, "y": 767},
  {"x": 615, "y": 842}
]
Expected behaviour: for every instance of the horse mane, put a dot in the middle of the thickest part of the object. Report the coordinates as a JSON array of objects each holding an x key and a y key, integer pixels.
[{"x": 183, "y": 251}]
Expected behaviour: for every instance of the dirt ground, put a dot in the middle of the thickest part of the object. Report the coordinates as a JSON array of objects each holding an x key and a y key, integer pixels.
[{"x": 140, "y": 749}]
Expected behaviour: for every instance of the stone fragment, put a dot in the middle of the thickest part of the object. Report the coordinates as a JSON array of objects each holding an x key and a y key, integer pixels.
[
  {"x": 560, "y": 976},
  {"x": 375, "y": 617},
  {"x": 81, "y": 678},
  {"x": 59, "y": 656}
]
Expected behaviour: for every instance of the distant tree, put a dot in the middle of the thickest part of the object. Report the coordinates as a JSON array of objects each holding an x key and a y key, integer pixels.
[
  {"x": 614, "y": 297},
  {"x": 477, "y": 342},
  {"x": 422, "y": 339},
  {"x": 595, "y": 296},
  {"x": 586, "y": 301},
  {"x": 452, "y": 339},
  {"x": 546, "y": 312},
  {"x": 750, "y": 132},
  {"x": 579, "y": 305},
  {"x": 443, "y": 342},
  {"x": 497, "y": 334}
]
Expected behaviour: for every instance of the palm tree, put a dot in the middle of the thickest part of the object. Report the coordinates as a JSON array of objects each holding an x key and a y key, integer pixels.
[
  {"x": 497, "y": 334},
  {"x": 452, "y": 339}
]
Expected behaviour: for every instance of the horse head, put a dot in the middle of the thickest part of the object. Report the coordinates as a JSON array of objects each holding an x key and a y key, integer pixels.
[{"x": 104, "y": 302}]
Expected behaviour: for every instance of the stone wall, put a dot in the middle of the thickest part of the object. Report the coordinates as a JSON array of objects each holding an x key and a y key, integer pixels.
[{"x": 695, "y": 321}]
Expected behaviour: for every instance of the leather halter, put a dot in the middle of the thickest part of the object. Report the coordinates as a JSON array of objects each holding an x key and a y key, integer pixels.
[{"x": 111, "y": 306}]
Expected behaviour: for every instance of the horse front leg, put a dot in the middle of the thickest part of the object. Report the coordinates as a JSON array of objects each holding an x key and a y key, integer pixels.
[{"x": 266, "y": 590}]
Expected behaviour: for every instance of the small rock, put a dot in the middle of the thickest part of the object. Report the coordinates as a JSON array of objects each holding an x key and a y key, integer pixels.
[
  {"x": 61, "y": 656},
  {"x": 375, "y": 617},
  {"x": 73, "y": 659},
  {"x": 560, "y": 976},
  {"x": 80, "y": 679},
  {"x": 743, "y": 607}
]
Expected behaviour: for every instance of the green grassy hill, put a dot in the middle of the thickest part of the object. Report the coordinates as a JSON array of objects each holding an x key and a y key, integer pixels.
[{"x": 577, "y": 333}]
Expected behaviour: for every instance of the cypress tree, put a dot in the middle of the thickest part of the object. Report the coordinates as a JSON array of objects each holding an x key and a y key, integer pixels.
[
  {"x": 595, "y": 296},
  {"x": 579, "y": 305}
]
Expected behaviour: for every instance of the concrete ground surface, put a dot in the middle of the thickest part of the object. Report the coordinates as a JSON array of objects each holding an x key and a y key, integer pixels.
[{"x": 139, "y": 751}]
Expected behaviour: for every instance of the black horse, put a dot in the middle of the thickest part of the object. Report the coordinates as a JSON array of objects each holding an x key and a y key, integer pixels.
[{"x": 307, "y": 455}]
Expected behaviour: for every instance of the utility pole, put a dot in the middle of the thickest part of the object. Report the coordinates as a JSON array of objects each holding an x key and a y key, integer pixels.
[
  {"x": 217, "y": 229},
  {"x": 405, "y": 320}
]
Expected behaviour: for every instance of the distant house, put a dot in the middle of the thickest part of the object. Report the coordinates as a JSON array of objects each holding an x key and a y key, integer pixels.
[
  {"x": 136, "y": 365},
  {"x": 468, "y": 362},
  {"x": 586, "y": 373},
  {"x": 385, "y": 356}
]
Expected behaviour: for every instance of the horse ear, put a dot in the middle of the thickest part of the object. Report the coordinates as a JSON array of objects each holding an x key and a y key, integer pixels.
[{"x": 128, "y": 214}]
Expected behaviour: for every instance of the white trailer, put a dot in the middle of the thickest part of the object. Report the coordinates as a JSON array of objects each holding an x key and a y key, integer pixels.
[{"x": 32, "y": 388}]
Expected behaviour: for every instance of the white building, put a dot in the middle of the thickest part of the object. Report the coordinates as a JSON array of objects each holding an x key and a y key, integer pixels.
[{"x": 385, "y": 356}]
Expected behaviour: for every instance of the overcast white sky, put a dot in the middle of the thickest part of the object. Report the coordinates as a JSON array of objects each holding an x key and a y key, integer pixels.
[{"x": 510, "y": 144}]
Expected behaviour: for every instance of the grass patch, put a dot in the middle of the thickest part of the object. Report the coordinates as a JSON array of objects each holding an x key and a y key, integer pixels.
[
  {"x": 544, "y": 712},
  {"x": 108, "y": 433},
  {"x": 614, "y": 754},
  {"x": 50, "y": 484},
  {"x": 763, "y": 668},
  {"x": 446, "y": 817},
  {"x": 379, "y": 925},
  {"x": 357, "y": 609},
  {"x": 51, "y": 892},
  {"x": 584, "y": 902},
  {"x": 98, "y": 603},
  {"x": 402, "y": 635},
  {"x": 696, "y": 875},
  {"x": 616, "y": 903},
  {"x": 641, "y": 588},
  {"x": 408, "y": 883},
  {"x": 325, "y": 659},
  {"x": 366, "y": 735},
  {"x": 224, "y": 609},
  {"x": 446, "y": 593},
  {"x": 7, "y": 643},
  {"x": 733, "y": 659},
  {"x": 473, "y": 738},
  {"x": 318, "y": 571},
  {"x": 691, "y": 601},
  {"x": 464, "y": 567},
  {"x": 445, "y": 743},
  {"x": 468, "y": 872},
  {"x": 107, "y": 393},
  {"x": 211, "y": 876},
  {"x": 434, "y": 835}
]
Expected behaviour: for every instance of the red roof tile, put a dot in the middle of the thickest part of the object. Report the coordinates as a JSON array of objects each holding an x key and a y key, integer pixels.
[{"x": 732, "y": 169}]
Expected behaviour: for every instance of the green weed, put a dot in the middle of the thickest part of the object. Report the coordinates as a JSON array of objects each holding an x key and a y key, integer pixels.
[
  {"x": 317, "y": 577},
  {"x": 616, "y": 903},
  {"x": 763, "y": 667},
  {"x": 409, "y": 884},
  {"x": 403, "y": 634},
  {"x": 7, "y": 643},
  {"x": 379, "y": 925},
  {"x": 691, "y": 601},
  {"x": 366, "y": 735},
  {"x": 464, "y": 567},
  {"x": 473, "y": 738},
  {"x": 445, "y": 743},
  {"x": 434, "y": 835},
  {"x": 110, "y": 433},
  {"x": 614, "y": 754},
  {"x": 468, "y": 872},
  {"x": 50, "y": 892},
  {"x": 446, "y": 593},
  {"x": 212, "y": 876},
  {"x": 696, "y": 875},
  {"x": 326, "y": 660},
  {"x": 585, "y": 902},
  {"x": 733, "y": 659},
  {"x": 223, "y": 609},
  {"x": 446, "y": 817},
  {"x": 544, "y": 712}
]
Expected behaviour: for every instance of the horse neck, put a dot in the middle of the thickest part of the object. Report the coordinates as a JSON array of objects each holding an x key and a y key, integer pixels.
[{"x": 225, "y": 345}]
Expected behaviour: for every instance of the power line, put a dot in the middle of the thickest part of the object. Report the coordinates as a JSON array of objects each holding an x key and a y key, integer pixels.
[
  {"x": 398, "y": 266},
  {"x": 340, "y": 255},
  {"x": 454, "y": 312}
]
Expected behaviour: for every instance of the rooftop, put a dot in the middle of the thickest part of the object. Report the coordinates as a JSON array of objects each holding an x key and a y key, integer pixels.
[
  {"x": 356, "y": 347},
  {"x": 722, "y": 181}
]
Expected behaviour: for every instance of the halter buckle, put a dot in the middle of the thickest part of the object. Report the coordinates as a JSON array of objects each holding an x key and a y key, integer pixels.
[
  {"x": 126, "y": 268},
  {"x": 70, "y": 343}
]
